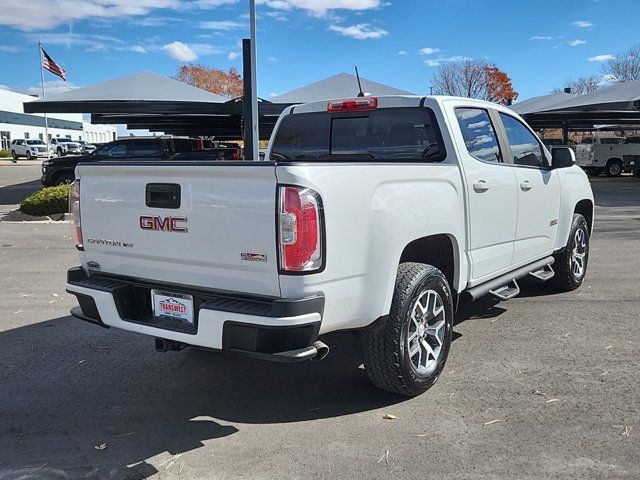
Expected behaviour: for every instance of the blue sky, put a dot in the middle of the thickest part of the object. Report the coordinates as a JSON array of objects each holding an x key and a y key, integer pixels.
[{"x": 540, "y": 43}]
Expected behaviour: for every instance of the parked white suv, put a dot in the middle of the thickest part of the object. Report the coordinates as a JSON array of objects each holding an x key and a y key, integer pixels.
[
  {"x": 371, "y": 214},
  {"x": 66, "y": 146},
  {"x": 29, "y": 149}
]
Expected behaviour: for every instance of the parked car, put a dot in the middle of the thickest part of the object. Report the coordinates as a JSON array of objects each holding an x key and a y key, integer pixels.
[
  {"x": 65, "y": 146},
  {"x": 372, "y": 214},
  {"x": 58, "y": 171},
  {"x": 87, "y": 147},
  {"x": 610, "y": 155},
  {"x": 29, "y": 149}
]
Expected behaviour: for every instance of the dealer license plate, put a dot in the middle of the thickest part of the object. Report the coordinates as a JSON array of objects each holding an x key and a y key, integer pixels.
[{"x": 172, "y": 305}]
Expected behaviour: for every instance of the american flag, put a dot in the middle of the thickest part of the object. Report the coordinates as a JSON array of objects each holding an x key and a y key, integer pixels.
[{"x": 50, "y": 64}]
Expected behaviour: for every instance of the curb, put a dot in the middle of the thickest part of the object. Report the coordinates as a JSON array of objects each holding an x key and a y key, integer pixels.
[{"x": 16, "y": 216}]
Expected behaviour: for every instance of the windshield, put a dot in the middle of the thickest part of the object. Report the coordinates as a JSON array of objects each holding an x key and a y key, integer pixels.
[
  {"x": 393, "y": 134},
  {"x": 35, "y": 142},
  {"x": 64, "y": 140}
]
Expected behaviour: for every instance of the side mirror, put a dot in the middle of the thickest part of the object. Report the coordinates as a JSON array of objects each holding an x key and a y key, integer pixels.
[{"x": 562, "y": 157}]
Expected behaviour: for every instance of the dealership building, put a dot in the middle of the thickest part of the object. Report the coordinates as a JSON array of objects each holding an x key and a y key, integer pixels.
[{"x": 15, "y": 124}]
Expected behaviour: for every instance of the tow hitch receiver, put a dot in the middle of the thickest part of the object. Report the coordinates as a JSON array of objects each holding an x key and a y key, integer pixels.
[{"x": 164, "y": 345}]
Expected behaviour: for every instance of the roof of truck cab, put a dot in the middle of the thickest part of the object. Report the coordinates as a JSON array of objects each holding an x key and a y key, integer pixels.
[{"x": 395, "y": 101}]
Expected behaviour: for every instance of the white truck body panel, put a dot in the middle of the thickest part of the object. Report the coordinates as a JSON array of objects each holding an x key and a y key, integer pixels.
[
  {"x": 371, "y": 210},
  {"x": 228, "y": 209}
]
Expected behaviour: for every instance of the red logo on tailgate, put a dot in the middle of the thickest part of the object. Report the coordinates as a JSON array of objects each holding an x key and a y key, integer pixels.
[{"x": 160, "y": 224}]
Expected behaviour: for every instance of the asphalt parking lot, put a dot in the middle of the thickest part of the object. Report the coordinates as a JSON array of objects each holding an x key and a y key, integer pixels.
[{"x": 78, "y": 401}]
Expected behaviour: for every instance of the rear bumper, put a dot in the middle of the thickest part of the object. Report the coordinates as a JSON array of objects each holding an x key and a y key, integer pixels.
[{"x": 255, "y": 326}]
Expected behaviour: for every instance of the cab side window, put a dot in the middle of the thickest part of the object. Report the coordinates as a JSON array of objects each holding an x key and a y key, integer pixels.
[
  {"x": 525, "y": 147},
  {"x": 479, "y": 134}
]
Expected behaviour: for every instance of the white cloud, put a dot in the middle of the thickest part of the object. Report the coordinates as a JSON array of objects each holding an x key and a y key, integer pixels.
[
  {"x": 360, "y": 31},
  {"x": 582, "y": 24},
  {"x": 180, "y": 52},
  {"x": 205, "y": 49},
  {"x": 272, "y": 59},
  {"x": 481, "y": 124},
  {"x": 320, "y": 7},
  {"x": 403, "y": 52},
  {"x": 52, "y": 87},
  {"x": 222, "y": 25},
  {"x": 428, "y": 51},
  {"x": 576, "y": 42},
  {"x": 541, "y": 37},
  {"x": 605, "y": 80},
  {"x": 601, "y": 58},
  {"x": 9, "y": 48},
  {"x": 48, "y": 14},
  {"x": 234, "y": 55},
  {"x": 136, "y": 48},
  {"x": 435, "y": 62}
]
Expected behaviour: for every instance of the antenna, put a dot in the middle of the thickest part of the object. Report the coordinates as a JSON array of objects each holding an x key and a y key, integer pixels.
[{"x": 360, "y": 92}]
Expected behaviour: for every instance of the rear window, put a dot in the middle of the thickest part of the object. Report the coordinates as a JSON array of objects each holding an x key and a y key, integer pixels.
[{"x": 392, "y": 134}]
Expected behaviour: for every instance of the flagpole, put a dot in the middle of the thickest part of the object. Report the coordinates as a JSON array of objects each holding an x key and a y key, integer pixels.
[{"x": 46, "y": 121}]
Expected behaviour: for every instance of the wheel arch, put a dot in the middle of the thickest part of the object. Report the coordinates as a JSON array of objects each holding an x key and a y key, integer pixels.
[
  {"x": 439, "y": 250},
  {"x": 585, "y": 208}
]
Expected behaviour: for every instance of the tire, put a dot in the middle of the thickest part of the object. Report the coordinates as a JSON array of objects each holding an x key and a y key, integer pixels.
[
  {"x": 60, "y": 152},
  {"x": 388, "y": 343},
  {"x": 566, "y": 278},
  {"x": 64, "y": 179},
  {"x": 614, "y": 168},
  {"x": 28, "y": 155},
  {"x": 14, "y": 157}
]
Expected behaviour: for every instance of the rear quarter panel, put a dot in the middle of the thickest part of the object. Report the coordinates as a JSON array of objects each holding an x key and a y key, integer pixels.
[{"x": 372, "y": 211}]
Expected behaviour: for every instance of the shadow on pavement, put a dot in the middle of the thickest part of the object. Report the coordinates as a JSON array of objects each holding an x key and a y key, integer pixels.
[
  {"x": 67, "y": 387},
  {"x": 13, "y": 194}
]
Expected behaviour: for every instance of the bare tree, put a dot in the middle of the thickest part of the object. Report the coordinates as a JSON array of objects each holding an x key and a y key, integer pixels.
[
  {"x": 474, "y": 79},
  {"x": 625, "y": 66},
  {"x": 581, "y": 85}
]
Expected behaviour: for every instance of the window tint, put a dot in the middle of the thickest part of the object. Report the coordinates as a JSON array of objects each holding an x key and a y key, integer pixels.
[
  {"x": 115, "y": 150},
  {"x": 478, "y": 133},
  {"x": 385, "y": 134},
  {"x": 525, "y": 148},
  {"x": 612, "y": 141},
  {"x": 145, "y": 149}
]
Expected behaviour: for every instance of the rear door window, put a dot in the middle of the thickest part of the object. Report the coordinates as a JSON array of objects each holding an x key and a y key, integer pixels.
[
  {"x": 478, "y": 134},
  {"x": 391, "y": 134},
  {"x": 145, "y": 149}
]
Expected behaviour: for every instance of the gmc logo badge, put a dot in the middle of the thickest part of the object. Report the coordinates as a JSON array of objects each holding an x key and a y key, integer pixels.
[{"x": 166, "y": 224}]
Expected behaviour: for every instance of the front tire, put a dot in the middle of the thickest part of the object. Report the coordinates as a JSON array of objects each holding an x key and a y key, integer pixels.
[
  {"x": 28, "y": 155},
  {"x": 64, "y": 179},
  {"x": 405, "y": 352},
  {"x": 571, "y": 264},
  {"x": 14, "y": 157}
]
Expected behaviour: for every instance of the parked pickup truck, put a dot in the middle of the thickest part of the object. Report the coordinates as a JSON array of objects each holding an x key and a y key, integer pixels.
[
  {"x": 59, "y": 171},
  {"x": 610, "y": 155},
  {"x": 374, "y": 214}
]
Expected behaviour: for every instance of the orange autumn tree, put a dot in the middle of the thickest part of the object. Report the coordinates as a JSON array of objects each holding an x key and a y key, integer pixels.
[
  {"x": 474, "y": 79},
  {"x": 499, "y": 87},
  {"x": 227, "y": 84}
]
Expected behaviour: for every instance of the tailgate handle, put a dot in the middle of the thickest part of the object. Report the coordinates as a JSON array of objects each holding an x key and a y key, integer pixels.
[{"x": 163, "y": 195}]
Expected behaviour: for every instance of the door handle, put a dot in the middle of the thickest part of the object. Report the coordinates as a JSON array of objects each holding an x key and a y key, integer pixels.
[
  {"x": 481, "y": 186},
  {"x": 525, "y": 186}
]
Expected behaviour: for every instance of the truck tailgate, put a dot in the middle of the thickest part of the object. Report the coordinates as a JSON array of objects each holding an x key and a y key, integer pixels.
[{"x": 221, "y": 236}]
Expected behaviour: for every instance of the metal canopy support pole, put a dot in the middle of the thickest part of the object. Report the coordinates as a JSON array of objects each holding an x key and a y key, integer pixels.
[
  {"x": 254, "y": 80},
  {"x": 247, "y": 114},
  {"x": 565, "y": 133}
]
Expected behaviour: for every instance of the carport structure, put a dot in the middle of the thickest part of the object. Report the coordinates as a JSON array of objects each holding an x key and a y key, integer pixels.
[
  {"x": 615, "y": 106},
  {"x": 147, "y": 100},
  {"x": 150, "y": 101}
]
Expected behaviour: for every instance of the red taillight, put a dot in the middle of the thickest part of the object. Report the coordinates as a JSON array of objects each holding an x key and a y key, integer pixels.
[
  {"x": 300, "y": 229},
  {"x": 360, "y": 103},
  {"x": 74, "y": 209}
]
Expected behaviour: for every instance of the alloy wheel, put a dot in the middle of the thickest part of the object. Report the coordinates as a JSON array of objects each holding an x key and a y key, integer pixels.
[
  {"x": 579, "y": 253},
  {"x": 426, "y": 331}
]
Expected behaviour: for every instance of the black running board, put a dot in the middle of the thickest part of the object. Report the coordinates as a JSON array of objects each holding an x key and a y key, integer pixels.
[{"x": 496, "y": 284}]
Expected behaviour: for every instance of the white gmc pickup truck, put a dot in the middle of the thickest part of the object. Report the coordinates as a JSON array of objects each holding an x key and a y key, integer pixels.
[{"x": 371, "y": 214}]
